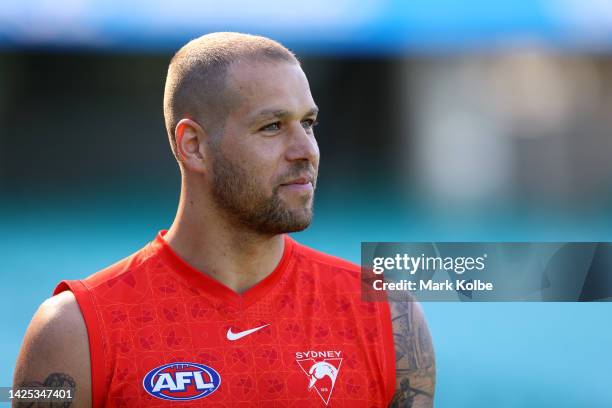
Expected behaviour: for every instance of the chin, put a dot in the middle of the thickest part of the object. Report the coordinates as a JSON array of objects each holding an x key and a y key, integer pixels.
[
  {"x": 298, "y": 227},
  {"x": 298, "y": 221}
]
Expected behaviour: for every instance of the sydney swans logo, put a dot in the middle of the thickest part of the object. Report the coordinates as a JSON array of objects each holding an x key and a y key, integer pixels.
[{"x": 321, "y": 374}]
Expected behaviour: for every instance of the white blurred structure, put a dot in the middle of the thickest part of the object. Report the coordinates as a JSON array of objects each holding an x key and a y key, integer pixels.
[{"x": 516, "y": 127}]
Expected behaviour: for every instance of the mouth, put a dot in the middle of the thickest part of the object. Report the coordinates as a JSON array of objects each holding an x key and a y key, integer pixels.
[
  {"x": 302, "y": 184},
  {"x": 298, "y": 181}
]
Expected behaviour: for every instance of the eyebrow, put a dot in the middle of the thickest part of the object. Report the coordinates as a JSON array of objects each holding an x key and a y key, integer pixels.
[{"x": 280, "y": 113}]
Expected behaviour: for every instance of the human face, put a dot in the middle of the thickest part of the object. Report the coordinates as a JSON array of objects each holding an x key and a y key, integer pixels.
[{"x": 265, "y": 164}]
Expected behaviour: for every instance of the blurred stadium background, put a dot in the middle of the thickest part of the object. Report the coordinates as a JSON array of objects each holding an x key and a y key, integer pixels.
[{"x": 441, "y": 121}]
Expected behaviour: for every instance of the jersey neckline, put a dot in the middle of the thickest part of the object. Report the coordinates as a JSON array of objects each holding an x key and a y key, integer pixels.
[{"x": 213, "y": 287}]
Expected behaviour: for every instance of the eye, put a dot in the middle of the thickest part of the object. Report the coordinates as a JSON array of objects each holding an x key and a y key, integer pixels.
[
  {"x": 272, "y": 127},
  {"x": 309, "y": 124}
]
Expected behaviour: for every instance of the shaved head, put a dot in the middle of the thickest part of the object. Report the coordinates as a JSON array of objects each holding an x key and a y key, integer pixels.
[{"x": 197, "y": 81}]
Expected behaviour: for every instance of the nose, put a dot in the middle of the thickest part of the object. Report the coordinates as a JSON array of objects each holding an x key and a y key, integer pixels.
[{"x": 302, "y": 146}]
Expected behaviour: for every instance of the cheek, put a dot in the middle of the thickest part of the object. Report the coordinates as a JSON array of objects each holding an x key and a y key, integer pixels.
[
  {"x": 262, "y": 160},
  {"x": 261, "y": 171},
  {"x": 267, "y": 163}
]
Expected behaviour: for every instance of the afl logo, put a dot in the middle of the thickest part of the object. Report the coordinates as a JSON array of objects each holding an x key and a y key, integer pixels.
[{"x": 181, "y": 381}]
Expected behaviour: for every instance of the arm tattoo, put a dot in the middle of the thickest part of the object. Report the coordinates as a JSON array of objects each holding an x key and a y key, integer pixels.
[
  {"x": 55, "y": 380},
  {"x": 414, "y": 356}
]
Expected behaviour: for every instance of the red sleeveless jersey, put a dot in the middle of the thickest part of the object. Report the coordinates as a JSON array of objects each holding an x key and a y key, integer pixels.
[{"x": 163, "y": 334}]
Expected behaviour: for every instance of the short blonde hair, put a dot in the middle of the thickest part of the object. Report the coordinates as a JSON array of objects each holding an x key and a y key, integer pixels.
[{"x": 197, "y": 77}]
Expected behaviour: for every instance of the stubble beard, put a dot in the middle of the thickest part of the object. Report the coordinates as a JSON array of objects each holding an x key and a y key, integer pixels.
[{"x": 242, "y": 199}]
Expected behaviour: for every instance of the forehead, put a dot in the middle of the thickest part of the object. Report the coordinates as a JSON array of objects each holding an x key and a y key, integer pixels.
[{"x": 269, "y": 86}]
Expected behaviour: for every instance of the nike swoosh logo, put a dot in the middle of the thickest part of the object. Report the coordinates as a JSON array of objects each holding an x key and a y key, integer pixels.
[{"x": 236, "y": 336}]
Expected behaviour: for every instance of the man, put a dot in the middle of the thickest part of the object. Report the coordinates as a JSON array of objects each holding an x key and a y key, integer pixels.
[{"x": 224, "y": 309}]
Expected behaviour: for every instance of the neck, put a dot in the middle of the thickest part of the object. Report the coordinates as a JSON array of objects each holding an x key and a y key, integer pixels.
[{"x": 209, "y": 242}]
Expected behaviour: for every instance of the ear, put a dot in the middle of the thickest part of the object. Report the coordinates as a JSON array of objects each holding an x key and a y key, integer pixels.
[{"x": 191, "y": 145}]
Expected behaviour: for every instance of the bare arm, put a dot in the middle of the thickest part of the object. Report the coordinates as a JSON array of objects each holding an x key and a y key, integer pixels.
[
  {"x": 55, "y": 352},
  {"x": 414, "y": 355}
]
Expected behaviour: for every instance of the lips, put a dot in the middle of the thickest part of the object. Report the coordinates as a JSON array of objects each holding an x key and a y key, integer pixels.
[
  {"x": 301, "y": 185},
  {"x": 301, "y": 180}
]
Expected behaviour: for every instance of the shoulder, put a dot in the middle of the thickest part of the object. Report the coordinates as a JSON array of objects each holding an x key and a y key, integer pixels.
[
  {"x": 55, "y": 348},
  {"x": 59, "y": 309},
  {"x": 119, "y": 270},
  {"x": 55, "y": 319},
  {"x": 307, "y": 254},
  {"x": 56, "y": 327}
]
